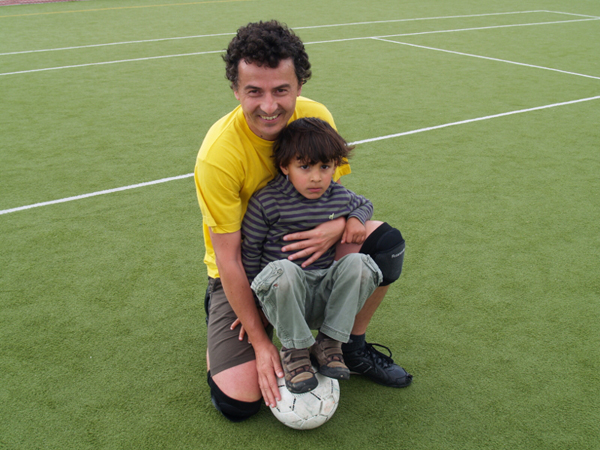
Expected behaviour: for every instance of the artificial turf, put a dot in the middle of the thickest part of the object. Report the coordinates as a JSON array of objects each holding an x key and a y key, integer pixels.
[{"x": 102, "y": 334}]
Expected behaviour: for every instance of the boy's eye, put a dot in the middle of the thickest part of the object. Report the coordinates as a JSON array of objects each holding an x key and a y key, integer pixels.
[
  {"x": 325, "y": 166},
  {"x": 304, "y": 166}
]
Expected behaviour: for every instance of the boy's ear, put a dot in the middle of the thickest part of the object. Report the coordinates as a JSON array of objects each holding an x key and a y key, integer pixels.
[{"x": 284, "y": 170}]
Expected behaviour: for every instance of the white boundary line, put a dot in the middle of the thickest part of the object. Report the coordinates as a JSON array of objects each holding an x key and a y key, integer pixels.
[
  {"x": 478, "y": 119},
  {"x": 110, "y": 62},
  {"x": 305, "y": 28},
  {"x": 117, "y": 43},
  {"x": 491, "y": 27},
  {"x": 381, "y": 138},
  {"x": 488, "y": 58},
  {"x": 94, "y": 194},
  {"x": 306, "y": 43},
  {"x": 294, "y": 28},
  {"x": 571, "y": 14}
]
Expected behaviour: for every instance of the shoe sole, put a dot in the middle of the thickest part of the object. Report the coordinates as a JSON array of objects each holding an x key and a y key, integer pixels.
[
  {"x": 375, "y": 380},
  {"x": 302, "y": 387}
]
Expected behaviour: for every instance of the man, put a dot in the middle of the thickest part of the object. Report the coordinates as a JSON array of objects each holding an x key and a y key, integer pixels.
[{"x": 267, "y": 67}]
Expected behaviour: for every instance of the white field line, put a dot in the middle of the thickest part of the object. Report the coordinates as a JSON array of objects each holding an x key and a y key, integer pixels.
[
  {"x": 494, "y": 27},
  {"x": 381, "y": 138},
  {"x": 488, "y": 58},
  {"x": 478, "y": 119},
  {"x": 295, "y": 28},
  {"x": 306, "y": 43},
  {"x": 117, "y": 43},
  {"x": 303, "y": 28},
  {"x": 569, "y": 14},
  {"x": 110, "y": 62},
  {"x": 94, "y": 194},
  {"x": 419, "y": 33}
]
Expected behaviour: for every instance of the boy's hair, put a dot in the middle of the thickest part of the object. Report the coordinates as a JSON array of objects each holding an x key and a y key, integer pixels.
[
  {"x": 311, "y": 141},
  {"x": 265, "y": 43}
]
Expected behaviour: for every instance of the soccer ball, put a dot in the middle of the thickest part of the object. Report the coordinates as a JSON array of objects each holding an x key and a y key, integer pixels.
[{"x": 310, "y": 409}]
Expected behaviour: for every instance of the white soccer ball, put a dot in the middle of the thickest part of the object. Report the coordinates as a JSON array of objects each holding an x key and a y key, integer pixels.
[{"x": 310, "y": 409}]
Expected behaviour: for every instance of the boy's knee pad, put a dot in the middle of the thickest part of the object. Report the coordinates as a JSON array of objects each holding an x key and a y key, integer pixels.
[
  {"x": 234, "y": 410},
  {"x": 386, "y": 246}
]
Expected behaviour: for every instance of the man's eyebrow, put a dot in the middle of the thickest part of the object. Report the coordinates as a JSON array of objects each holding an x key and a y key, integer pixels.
[{"x": 250, "y": 87}]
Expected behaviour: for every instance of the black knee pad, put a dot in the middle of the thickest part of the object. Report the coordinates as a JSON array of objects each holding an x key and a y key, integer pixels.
[
  {"x": 386, "y": 246},
  {"x": 234, "y": 410}
]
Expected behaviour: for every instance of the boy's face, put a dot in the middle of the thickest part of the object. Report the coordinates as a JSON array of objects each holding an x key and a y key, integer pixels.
[
  {"x": 310, "y": 180},
  {"x": 268, "y": 96}
]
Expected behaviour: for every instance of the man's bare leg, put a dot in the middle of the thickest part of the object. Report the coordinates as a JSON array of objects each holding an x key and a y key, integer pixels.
[
  {"x": 363, "y": 318},
  {"x": 238, "y": 382},
  {"x": 359, "y": 356}
]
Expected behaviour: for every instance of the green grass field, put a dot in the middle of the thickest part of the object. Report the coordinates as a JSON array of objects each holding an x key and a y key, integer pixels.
[{"x": 477, "y": 126}]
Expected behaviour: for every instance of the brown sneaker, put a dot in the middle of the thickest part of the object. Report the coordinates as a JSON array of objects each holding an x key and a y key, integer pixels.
[
  {"x": 299, "y": 375},
  {"x": 327, "y": 354}
]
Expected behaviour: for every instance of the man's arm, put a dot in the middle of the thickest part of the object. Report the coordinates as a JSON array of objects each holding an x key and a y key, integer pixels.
[
  {"x": 315, "y": 242},
  {"x": 228, "y": 253}
]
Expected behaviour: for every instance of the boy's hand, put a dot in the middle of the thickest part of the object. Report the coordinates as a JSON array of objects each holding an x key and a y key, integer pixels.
[
  {"x": 238, "y": 322},
  {"x": 355, "y": 232}
]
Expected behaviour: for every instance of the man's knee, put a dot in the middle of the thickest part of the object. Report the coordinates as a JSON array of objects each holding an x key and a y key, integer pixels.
[
  {"x": 386, "y": 246},
  {"x": 234, "y": 410}
]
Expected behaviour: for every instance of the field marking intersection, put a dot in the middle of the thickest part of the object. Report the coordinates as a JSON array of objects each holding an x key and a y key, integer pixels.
[
  {"x": 311, "y": 27},
  {"x": 382, "y": 39},
  {"x": 364, "y": 141}
]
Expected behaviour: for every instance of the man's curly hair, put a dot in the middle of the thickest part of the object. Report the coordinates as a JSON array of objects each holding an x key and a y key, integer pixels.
[{"x": 266, "y": 43}]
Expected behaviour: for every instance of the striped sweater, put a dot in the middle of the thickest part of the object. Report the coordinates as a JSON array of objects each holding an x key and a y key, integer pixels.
[{"x": 279, "y": 209}]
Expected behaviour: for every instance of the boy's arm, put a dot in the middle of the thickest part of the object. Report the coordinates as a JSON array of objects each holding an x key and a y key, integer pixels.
[
  {"x": 361, "y": 210},
  {"x": 360, "y": 207}
]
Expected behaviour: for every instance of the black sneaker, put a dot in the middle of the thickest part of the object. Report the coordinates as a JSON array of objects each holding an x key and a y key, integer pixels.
[{"x": 378, "y": 367}]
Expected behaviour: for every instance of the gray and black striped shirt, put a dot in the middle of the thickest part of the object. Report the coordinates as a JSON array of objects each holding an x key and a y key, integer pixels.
[{"x": 279, "y": 209}]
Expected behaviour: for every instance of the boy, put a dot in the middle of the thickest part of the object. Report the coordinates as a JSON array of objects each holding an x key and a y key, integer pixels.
[{"x": 325, "y": 295}]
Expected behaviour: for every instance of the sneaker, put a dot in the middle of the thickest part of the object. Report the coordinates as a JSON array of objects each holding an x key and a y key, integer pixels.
[
  {"x": 328, "y": 358},
  {"x": 378, "y": 367},
  {"x": 299, "y": 375}
]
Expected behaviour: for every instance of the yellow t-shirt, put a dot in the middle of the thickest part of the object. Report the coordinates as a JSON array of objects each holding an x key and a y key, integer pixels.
[{"x": 232, "y": 164}]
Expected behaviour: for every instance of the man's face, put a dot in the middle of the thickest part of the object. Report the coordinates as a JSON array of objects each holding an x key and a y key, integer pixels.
[{"x": 268, "y": 96}]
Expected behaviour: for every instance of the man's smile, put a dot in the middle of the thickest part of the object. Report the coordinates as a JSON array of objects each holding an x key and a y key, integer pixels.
[{"x": 270, "y": 118}]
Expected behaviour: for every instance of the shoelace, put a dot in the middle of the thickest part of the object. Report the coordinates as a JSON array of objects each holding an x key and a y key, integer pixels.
[{"x": 384, "y": 359}]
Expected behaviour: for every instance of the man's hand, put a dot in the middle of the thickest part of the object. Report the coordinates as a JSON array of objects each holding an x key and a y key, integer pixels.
[
  {"x": 355, "y": 232},
  {"x": 315, "y": 242},
  {"x": 268, "y": 366}
]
